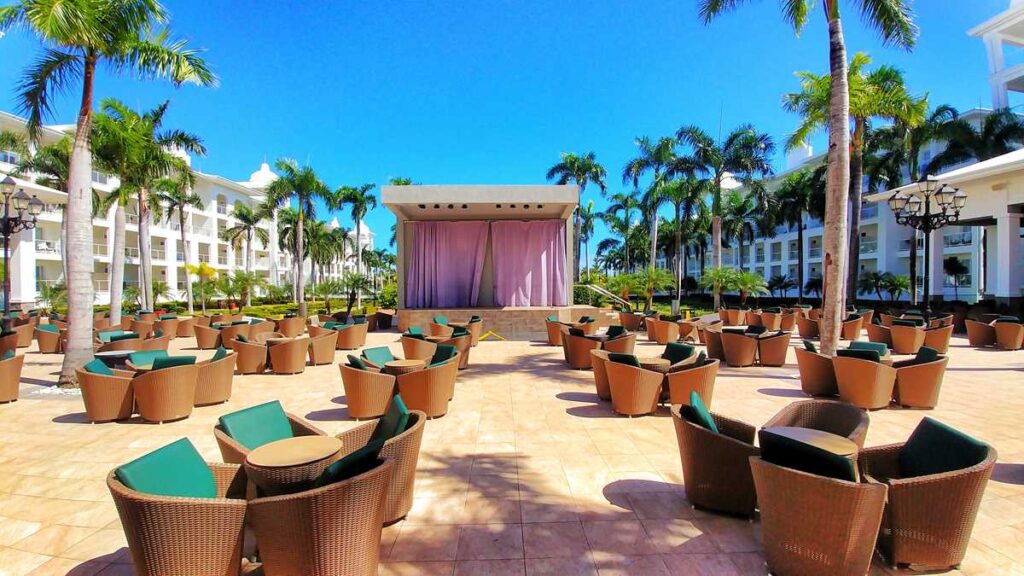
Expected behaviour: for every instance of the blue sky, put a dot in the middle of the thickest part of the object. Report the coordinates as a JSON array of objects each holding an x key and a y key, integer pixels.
[{"x": 457, "y": 92}]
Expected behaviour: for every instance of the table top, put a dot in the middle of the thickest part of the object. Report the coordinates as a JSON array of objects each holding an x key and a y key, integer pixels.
[
  {"x": 827, "y": 441},
  {"x": 276, "y": 341},
  {"x": 114, "y": 353},
  {"x": 294, "y": 451},
  {"x": 436, "y": 339},
  {"x": 405, "y": 363},
  {"x": 655, "y": 363}
]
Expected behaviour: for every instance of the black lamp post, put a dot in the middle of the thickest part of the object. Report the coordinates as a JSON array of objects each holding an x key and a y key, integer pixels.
[
  {"x": 27, "y": 208},
  {"x": 915, "y": 210}
]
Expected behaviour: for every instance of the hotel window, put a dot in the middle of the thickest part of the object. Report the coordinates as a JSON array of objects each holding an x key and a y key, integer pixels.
[
  {"x": 8, "y": 157},
  {"x": 99, "y": 177}
]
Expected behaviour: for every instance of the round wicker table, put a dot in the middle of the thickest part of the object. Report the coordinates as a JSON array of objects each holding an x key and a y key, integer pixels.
[
  {"x": 292, "y": 464},
  {"x": 114, "y": 358},
  {"x": 825, "y": 441},
  {"x": 397, "y": 367},
  {"x": 655, "y": 364}
]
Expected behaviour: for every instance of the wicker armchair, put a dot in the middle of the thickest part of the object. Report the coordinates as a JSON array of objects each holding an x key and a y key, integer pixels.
[
  {"x": 807, "y": 328},
  {"x": 688, "y": 331},
  {"x": 352, "y": 337},
  {"x": 1009, "y": 335},
  {"x": 329, "y": 531},
  {"x": 160, "y": 343},
  {"x": 186, "y": 327},
  {"x": 213, "y": 385},
  {"x": 716, "y": 469},
  {"x": 142, "y": 328},
  {"x": 713, "y": 343},
  {"x": 938, "y": 338},
  {"x": 630, "y": 321},
  {"x": 291, "y": 327},
  {"x": 229, "y": 333},
  {"x": 577, "y": 350},
  {"x": 264, "y": 327},
  {"x": 322, "y": 347},
  {"x": 787, "y": 322},
  {"x": 735, "y": 317},
  {"x": 207, "y": 338},
  {"x": 812, "y": 525},
  {"x": 49, "y": 341},
  {"x": 384, "y": 319},
  {"x": 979, "y": 333},
  {"x": 864, "y": 383},
  {"x": 120, "y": 345},
  {"x": 928, "y": 519},
  {"x": 314, "y": 330},
  {"x": 25, "y": 333},
  {"x": 771, "y": 320},
  {"x": 754, "y": 318},
  {"x": 263, "y": 337},
  {"x": 252, "y": 357},
  {"x": 598, "y": 361},
  {"x": 906, "y": 339},
  {"x": 589, "y": 327},
  {"x": 879, "y": 333},
  {"x": 417, "y": 349},
  {"x": 101, "y": 323},
  {"x": 166, "y": 394},
  {"x": 814, "y": 313},
  {"x": 289, "y": 357},
  {"x": 148, "y": 316},
  {"x": 817, "y": 375},
  {"x": 739, "y": 349},
  {"x": 175, "y": 535},
  {"x": 367, "y": 393},
  {"x": 832, "y": 416},
  {"x": 851, "y": 328},
  {"x": 634, "y": 391},
  {"x": 233, "y": 452},
  {"x": 402, "y": 449},
  {"x": 435, "y": 329},
  {"x": 692, "y": 378},
  {"x": 428, "y": 390},
  {"x": 10, "y": 378},
  {"x": 169, "y": 326},
  {"x": 663, "y": 331},
  {"x": 554, "y": 329},
  {"x": 8, "y": 342},
  {"x": 107, "y": 398},
  {"x": 917, "y": 383},
  {"x": 620, "y": 344},
  {"x": 463, "y": 344},
  {"x": 772, "y": 350}
]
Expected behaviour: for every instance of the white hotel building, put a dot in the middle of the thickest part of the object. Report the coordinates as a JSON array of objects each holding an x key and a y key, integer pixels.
[{"x": 36, "y": 254}]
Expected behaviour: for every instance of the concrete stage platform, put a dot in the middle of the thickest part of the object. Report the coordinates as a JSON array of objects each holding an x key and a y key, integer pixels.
[{"x": 521, "y": 323}]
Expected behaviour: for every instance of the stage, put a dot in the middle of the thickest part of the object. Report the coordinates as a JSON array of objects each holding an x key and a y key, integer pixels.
[{"x": 511, "y": 323}]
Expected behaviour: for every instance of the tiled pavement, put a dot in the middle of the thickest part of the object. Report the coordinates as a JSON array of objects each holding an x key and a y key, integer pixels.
[{"x": 527, "y": 474}]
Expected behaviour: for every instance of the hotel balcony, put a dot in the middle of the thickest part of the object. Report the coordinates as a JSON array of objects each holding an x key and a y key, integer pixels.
[
  {"x": 131, "y": 254},
  {"x": 814, "y": 253},
  {"x": 48, "y": 247},
  {"x": 101, "y": 250},
  {"x": 905, "y": 244},
  {"x": 869, "y": 246},
  {"x": 957, "y": 239}
]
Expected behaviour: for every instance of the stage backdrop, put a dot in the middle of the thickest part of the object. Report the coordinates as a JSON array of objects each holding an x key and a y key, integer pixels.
[
  {"x": 529, "y": 262},
  {"x": 447, "y": 260}
]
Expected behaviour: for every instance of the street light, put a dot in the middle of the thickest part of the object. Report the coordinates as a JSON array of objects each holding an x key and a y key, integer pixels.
[
  {"x": 915, "y": 210},
  {"x": 27, "y": 208}
]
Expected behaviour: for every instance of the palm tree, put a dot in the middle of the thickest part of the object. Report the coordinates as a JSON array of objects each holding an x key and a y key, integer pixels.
[
  {"x": 624, "y": 202},
  {"x": 895, "y": 285},
  {"x": 582, "y": 170},
  {"x": 302, "y": 184},
  {"x": 736, "y": 212},
  {"x": 205, "y": 273},
  {"x": 872, "y": 283},
  {"x": 1001, "y": 132},
  {"x": 361, "y": 200},
  {"x": 893, "y": 19},
  {"x": 319, "y": 248},
  {"x": 799, "y": 196},
  {"x": 955, "y": 269},
  {"x": 176, "y": 196},
  {"x": 657, "y": 159},
  {"x": 651, "y": 280},
  {"x": 815, "y": 285},
  {"x": 880, "y": 93},
  {"x": 745, "y": 154},
  {"x": 50, "y": 163},
  {"x": 248, "y": 229},
  {"x": 78, "y": 37},
  {"x": 782, "y": 283},
  {"x": 588, "y": 217}
]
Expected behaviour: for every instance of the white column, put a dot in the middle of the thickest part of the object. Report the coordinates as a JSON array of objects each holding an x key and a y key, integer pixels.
[
  {"x": 994, "y": 48},
  {"x": 936, "y": 284},
  {"x": 23, "y": 268},
  {"x": 1008, "y": 266}
]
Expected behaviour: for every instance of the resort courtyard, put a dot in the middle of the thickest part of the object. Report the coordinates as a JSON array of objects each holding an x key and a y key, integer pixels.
[{"x": 527, "y": 473}]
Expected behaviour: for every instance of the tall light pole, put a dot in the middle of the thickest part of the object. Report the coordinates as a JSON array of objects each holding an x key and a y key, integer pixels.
[{"x": 914, "y": 209}]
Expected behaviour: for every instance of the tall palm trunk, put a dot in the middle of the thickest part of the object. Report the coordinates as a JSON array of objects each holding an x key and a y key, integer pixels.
[
  {"x": 145, "y": 252},
  {"x": 79, "y": 250},
  {"x": 913, "y": 268},
  {"x": 249, "y": 254},
  {"x": 800, "y": 260},
  {"x": 856, "y": 191},
  {"x": 300, "y": 281},
  {"x": 838, "y": 184},
  {"x": 575, "y": 243},
  {"x": 117, "y": 265},
  {"x": 64, "y": 242},
  {"x": 185, "y": 247},
  {"x": 716, "y": 252},
  {"x": 359, "y": 256}
]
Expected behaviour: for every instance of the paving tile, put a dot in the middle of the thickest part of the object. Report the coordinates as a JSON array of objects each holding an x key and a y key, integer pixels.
[{"x": 491, "y": 542}]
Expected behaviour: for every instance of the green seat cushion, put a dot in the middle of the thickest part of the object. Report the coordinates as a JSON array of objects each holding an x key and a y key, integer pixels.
[
  {"x": 552, "y": 319},
  {"x": 628, "y": 359},
  {"x": 934, "y": 448},
  {"x": 444, "y": 353},
  {"x": 255, "y": 426},
  {"x": 879, "y": 347},
  {"x": 614, "y": 331},
  {"x": 474, "y": 319},
  {"x": 241, "y": 338},
  {"x": 877, "y": 320},
  {"x": 168, "y": 317},
  {"x": 871, "y": 355},
  {"x": 773, "y": 310},
  {"x": 585, "y": 320},
  {"x": 358, "y": 462},
  {"x": 393, "y": 422},
  {"x": 442, "y": 320},
  {"x": 904, "y": 322},
  {"x": 379, "y": 355},
  {"x": 220, "y": 354},
  {"x": 174, "y": 470},
  {"x": 339, "y": 327},
  {"x": 577, "y": 332},
  {"x": 414, "y": 330},
  {"x": 48, "y": 328},
  {"x": 8, "y": 354},
  {"x": 756, "y": 330},
  {"x": 702, "y": 359},
  {"x": 677, "y": 352},
  {"x": 255, "y": 321},
  {"x": 853, "y": 316},
  {"x": 459, "y": 331},
  {"x": 172, "y": 361},
  {"x": 96, "y": 366},
  {"x": 698, "y": 413},
  {"x": 416, "y": 335},
  {"x": 359, "y": 319},
  {"x": 810, "y": 347},
  {"x": 784, "y": 451},
  {"x": 146, "y": 357},
  {"x": 158, "y": 333},
  {"x": 734, "y": 330},
  {"x": 217, "y": 325},
  {"x": 125, "y": 336},
  {"x": 357, "y": 362},
  {"x": 1012, "y": 319},
  {"x": 239, "y": 322},
  {"x": 330, "y": 324},
  {"x": 106, "y": 336}
]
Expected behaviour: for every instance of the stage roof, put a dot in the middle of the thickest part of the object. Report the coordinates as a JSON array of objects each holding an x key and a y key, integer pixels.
[{"x": 483, "y": 202}]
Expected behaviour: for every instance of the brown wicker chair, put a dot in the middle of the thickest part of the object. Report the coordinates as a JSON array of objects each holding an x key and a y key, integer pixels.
[
  {"x": 175, "y": 535},
  {"x": 315, "y": 331},
  {"x": 814, "y": 313},
  {"x": 352, "y": 337},
  {"x": 148, "y": 316},
  {"x": 463, "y": 344},
  {"x": 404, "y": 451},
  {"x": 851, "y": 328},
  {"x": 630, "y": 321},
  {"x": 739, "y": 349},
  {"x": 918, "y": 384},
  {"x": 938, "y": 338},
  {"x": 772, "y": 321},
  {"x": 753, "y": 318},
  {"x": 126, "y": 344},
  {"x": 577, "y": 350},
  {"x": 142, "y": 328},
  {"x": 979, "y": 333},
  {"x": 229, "y": 333},
  {"x": 807, "y": 328},
  {"x": 772, "y": 349},
  {"x": 787, "y": 322},
  {"x": 867, "y": 315},
  {"x": 736, "y": 316},
  {"x": 107, "y": 398},
  {"x": 634, "y": 391},
  {"x": 329, "y": 531},
  {"x": 928, "y": 519},
  {"x": 435, "y": 329},
  {"x": 291, "y": 327},
  {"x": 384, "y": 319},
  {"x": 428, "y": 390},
  {"x": 264, "y": 327},
  {"x": 10, "y": 378},
  {"x": 886, "y": 319},
  {"x": 831, "y": 416},
  {"x": 716, "y": 469},
  {"x": 101, "y": 323},
  {"x": 812, "y": 525},
  {"x": 664, "y": 331},
  {"x": 688, "y": 331},
  {"x": 161, "y": 343},
  {"x": 1009, "y": 335},
  {"x": 289, "y": 357},
  {"x": 906, "y": 339},
  {"x": 49, "y": 342},
  {"x": 598, "y": 362},
  {"x": 554, "y": 329},
  {"x": 25, "y": 333},
  {"x": 864, "y": 383},
  {"x": 817, "y": 375},
  {"x": 186, "y": 327},
  {"x": 620, "y": 344},
  {"x": 234, "y": 452},
  {"x": 206, "y": 338},
  {"x": 263, "y": 337},
  {"x": 713, "y": 342},
  {"x": 322, "y": 348},
  {"x": 417, "y": 349},
  {"x": 589, "y": 328},
  {"x": 166, "y": 394},
  {"x": 692, "y": 378},
  {"x": 213, "y": 385},
  {"x": 367, "y": 392},
  {"x": 8, "y": 342},
  {"x": 879, "y": 333},
  {"x": 169, "y": 327},
  {"x": 252, "y": 357}
]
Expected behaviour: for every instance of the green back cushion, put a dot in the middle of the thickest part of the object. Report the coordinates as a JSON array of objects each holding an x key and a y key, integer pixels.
[
  {"x": 809, "y": 346},
  {"x": 458, "y": 331},
  {"x": 48, "y": 328},
  {"x": 879, "y": 347},
  {"x": 926, "y": 354},
  {"x": 614, "y": 331},
  {"x": 1012, "y": 319},
  {"x": 240, "y": 322},
  {"x": 172, "y": 361},
  {"x": 255, "y": 321},
  {"x": 773, "y": 310},
  {"x": 585, "y": 319},
  {"x": 255, "y": 426},
  {"x": 871, "y": 355},
  {"x": 241, "y": 338},
  {"x": 393, "y": 422},
  {"x": 442, "y": 320},
  {"x": 330, "y": 325},
  {"x": 125, "y": 336},
  {"x": 146, "y": 357},
  {"x": 96, "y": 366},
  {"x": 106, "y": 336},
  {"x": 158, "y": 333},
  {"x": 416, "y": 335},
  {"x": 756, "y": 330},
  {"x": 552, "y": 319},
  {"x": 901, "y": 322},
  {"x": 414, "y": 330},
  {"x": 577, "y": 332},
  {"x": 379, "y": 355},
  {"x": 623, "y": 359},
  {"x": 443, "y": 353},
  {"x": 174, "y": 470},
  {"x": 677, "y": 352},
  {"x": 876, "y": 319},
  {"x": 784, "y": 451},
  {"x": 702, "y": 359},
  {"x": 221, "y": 353},
  {"x": 474, "y": 319},
  {"x": 340, "y": 327},
  {"x": 8, "y": 354},
  {"x": 358, "y": 462},
  {"x": 168, "y": 317},
  {"x": 357, "y": 362},
  {"x": 359, "y": 319},
  {"x": 698, "y": 413},
  {"x": 853, "y": 316},
  {"x": 934, "y": 448}
]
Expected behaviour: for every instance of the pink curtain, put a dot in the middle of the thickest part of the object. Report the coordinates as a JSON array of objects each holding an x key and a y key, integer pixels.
[
  {"x": 447, "y": 262},
  {"x": 529, "y": 263}
]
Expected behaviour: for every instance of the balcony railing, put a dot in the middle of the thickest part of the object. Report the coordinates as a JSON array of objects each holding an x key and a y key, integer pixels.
[
  {"x": 965, "y": 281},
  {"x": 48, "y": 247},
  {"x": 204, "y": 258},
  {"x": 957, "y": 239},
  {"x": 131, "y": 253},
  {"x": 101, "y": 285},
  {"x": 100, "y": 249},
  {"x": 222, "y": 260},
  {"x": 222, "y": 209},
  {"x": 905, "y": 244},
  {"x": 158, "y": 254},
  {"x": 776, "y": 256},
  {"x": 814, "y": 252},
  {"x": 131, "y": 218},
  {"x": 869, "y": 246},
  {"x": 869, "y": 211},
  {"x": 179, "y": 256}
]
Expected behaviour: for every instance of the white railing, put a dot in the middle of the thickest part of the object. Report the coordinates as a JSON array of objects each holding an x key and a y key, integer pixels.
[
  {"x": 965, "y": 280},
  {"x": 222, "y": 260},
  {"x": 100, "y": 249},
  {"x": 131, "y": 218},
  {"x": 48, "y": 247},
  {"x": 204, "y": 258},
  {"x": 222, "y": 209},
  {"x": 179, "y": 256},
  {"x": 158, "y": 254},
  {"x": 958, "y": 239},
  {"x": 869, "y": 211},
  {"x": 131, "y": 253},
  {"x": 814, "y": 252},
  {"x": 776, "y": 256},
  {"x": 869, "y": 246},
  {"x": 181, "y": 286},
  {"x": 905, "y": 244},
  {"x": 101, "y": 285}
]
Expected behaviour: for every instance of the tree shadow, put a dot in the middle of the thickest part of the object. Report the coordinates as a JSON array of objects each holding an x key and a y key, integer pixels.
[
  {"x": 330, "y": 415},
  {"x": 1008, "y": 473},
  {"x": 782, "y": 392}
]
